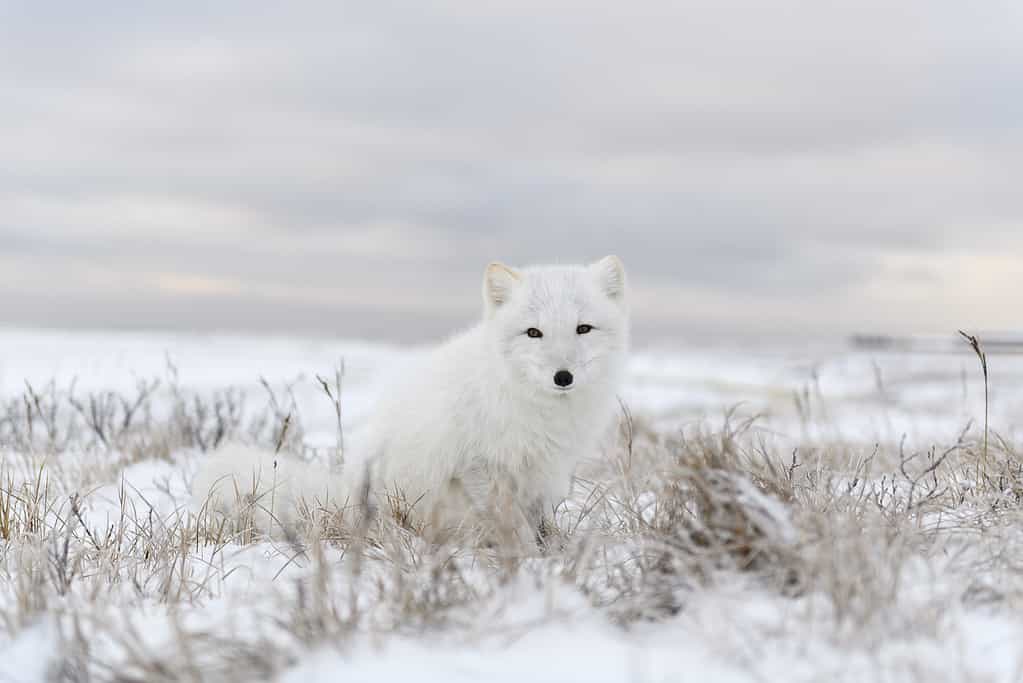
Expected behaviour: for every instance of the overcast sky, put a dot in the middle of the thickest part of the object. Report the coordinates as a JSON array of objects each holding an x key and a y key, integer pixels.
[{"x": 800, "y": 167}]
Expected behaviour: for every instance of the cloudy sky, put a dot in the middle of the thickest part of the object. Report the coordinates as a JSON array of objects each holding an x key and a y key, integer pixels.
[{"x": 788, "y": 167}]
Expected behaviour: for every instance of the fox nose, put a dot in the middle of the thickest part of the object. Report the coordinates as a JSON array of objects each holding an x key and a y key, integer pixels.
[{"x": 563, "y": 378}]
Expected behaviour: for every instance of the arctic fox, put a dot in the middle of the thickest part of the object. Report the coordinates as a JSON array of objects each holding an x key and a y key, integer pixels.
[{"x": 494, "y": 421}]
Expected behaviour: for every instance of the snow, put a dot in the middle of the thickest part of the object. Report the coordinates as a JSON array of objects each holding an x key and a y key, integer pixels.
[
  {"x": 30, "y": 655},
  {"x": 729, "y": 632},
  {"x": 919, "y": 393}
]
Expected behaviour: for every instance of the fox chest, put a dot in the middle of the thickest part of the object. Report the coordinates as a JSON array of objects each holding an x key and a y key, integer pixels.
[{"x": 525, "y": 439}]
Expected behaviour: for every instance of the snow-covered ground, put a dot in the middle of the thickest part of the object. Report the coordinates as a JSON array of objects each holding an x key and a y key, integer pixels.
[
  {"x": 866, "y": 395},
  {"x": 895, "y": 579}
]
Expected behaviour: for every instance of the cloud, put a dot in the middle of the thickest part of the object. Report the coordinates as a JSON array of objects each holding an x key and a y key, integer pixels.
[{"x": 770, "y": 165}]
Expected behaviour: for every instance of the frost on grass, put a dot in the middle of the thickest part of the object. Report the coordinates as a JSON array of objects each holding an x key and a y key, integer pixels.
[{"x": 715, "y": 550}]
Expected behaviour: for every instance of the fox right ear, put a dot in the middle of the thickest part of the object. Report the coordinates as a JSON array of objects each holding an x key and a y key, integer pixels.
[
  {"x": 610, "y": 273},
  {"x": 498, "y": 283}
]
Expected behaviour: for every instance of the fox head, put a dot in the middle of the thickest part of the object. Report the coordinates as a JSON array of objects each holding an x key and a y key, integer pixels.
[{"x": 561, "y": 330}]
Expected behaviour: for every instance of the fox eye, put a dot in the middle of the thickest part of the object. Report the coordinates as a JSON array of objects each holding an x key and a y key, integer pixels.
[
  {"x": 584, "y": 329},
  {"x": 534, "y": 333}
]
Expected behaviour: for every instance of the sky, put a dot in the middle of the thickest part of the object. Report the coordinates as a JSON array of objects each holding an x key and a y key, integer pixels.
[{"x": 794, "y": 167}]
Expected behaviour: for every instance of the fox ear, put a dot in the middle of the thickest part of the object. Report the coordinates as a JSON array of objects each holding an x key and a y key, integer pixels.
[
  {"x": 610, "y": 275},
  {"x": 498, "y": 283}
]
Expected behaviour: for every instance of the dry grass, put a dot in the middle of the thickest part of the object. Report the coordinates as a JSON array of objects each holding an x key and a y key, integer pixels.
[{"x": 868, "y": 544}]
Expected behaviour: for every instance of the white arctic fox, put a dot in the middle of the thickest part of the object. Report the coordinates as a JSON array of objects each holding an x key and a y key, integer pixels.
[{"x": 494, "y": 420}]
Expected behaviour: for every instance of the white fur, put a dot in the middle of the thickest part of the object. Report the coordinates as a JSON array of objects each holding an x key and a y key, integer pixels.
[
  {"x": 261, "y": 489},
  {"x": 480, "y": 420}
]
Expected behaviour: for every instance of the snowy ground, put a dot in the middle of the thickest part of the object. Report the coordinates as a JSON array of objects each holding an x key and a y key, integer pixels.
[{"x": 857, "y": 529}]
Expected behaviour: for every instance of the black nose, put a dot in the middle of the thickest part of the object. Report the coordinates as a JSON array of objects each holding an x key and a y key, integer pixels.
[{"x": 563, "y": 378}]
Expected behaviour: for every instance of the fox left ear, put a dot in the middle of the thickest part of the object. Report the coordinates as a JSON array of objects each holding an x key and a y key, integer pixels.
[
  {"x": 498, "y": 283},
  {"x": 610, "y": 274}
]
